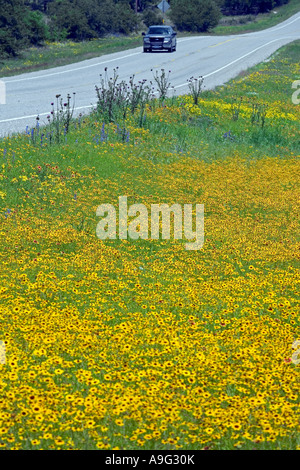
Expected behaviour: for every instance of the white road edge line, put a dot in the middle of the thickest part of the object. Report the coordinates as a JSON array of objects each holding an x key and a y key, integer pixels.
[
  {"x": 275, "y": 28},
  {"x": 44, "y": 114},
  {"x": 234, "y": 61},
  {"x": 71, "y": 70}
]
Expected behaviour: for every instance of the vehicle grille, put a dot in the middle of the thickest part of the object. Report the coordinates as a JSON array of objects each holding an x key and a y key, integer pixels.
[{"x": 156, "y": 41}]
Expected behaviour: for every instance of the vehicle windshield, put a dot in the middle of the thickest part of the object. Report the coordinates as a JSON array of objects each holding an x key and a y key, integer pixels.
[{"x": 162, "y": 31}]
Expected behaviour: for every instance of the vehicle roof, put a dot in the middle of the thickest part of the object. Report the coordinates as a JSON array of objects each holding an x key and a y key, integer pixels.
[{"x": 160, "y": 26}]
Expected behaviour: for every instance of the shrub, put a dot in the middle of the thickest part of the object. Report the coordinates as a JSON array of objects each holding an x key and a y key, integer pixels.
[
  {"x": 195, "y": 15},
  {"x": 19, "y": 27},
  {"x": 68, "y": 16},
  {"x": 85, "y": 19},
  {"x": 36, "y": 27},
  {"x": 244, "y": 7},
  {"x": 152, "y": 17},
  {"x": 125, "y": 19}
]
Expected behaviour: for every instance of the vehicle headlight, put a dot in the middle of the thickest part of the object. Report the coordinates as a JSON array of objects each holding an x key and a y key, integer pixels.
[
  {"x": 146, "y": 40},
  {"x": 167, "y": 39}
]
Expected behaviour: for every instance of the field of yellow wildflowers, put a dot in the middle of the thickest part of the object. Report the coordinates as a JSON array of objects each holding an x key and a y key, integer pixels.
[{"x": 140, "y": 344}]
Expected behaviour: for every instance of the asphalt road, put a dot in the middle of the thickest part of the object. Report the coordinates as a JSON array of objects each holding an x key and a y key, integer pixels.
[{"x": 216, "y": 58}]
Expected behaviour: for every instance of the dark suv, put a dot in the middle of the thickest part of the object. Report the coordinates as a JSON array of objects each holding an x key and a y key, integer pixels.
[{"x": 160, "y": 38}]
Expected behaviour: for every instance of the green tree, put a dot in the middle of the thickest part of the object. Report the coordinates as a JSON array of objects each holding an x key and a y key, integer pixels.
[
  {"x": 245, "y": 7},
  {"x": 125, "y": 19},
  {"x": 69, "y": 20},
  {"x": 41, "y": 5},
  {"x": 151, "y": 16},
  {"x": 36, "y": 28},
  {"x": 141, "y": 5},
  {"x": 86, "y": 19},
  {"x": 195, "y": 15}
]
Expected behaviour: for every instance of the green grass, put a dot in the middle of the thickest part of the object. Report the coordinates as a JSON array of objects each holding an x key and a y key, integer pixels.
[
  {"x": 64, "y": 53},
  {"x": 256, "y": 23}
]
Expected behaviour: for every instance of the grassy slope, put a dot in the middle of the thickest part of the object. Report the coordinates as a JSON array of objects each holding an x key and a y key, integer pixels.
[
  {"x": 262, "y": 21},
  {"x": 63, "y": 53},
  {"x": 143, "y": 344}
]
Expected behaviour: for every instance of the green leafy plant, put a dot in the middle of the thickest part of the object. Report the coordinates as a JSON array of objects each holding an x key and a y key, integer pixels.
[
  {"x": 259, "y": 112},
  {"x": 111, "y": 97},
  {"x": 235, "y": 107},
  {"x": 162, "y": 81},
  {"x": 115, "y": 99},
  {"x": 60, "y": 117}
]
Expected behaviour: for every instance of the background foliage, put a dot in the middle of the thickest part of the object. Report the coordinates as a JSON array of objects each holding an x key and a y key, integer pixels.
[{"x": 24, "y": 23}]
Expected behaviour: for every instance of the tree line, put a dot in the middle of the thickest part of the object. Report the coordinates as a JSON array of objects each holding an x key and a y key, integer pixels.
[{"x": 31, "y": 22}]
